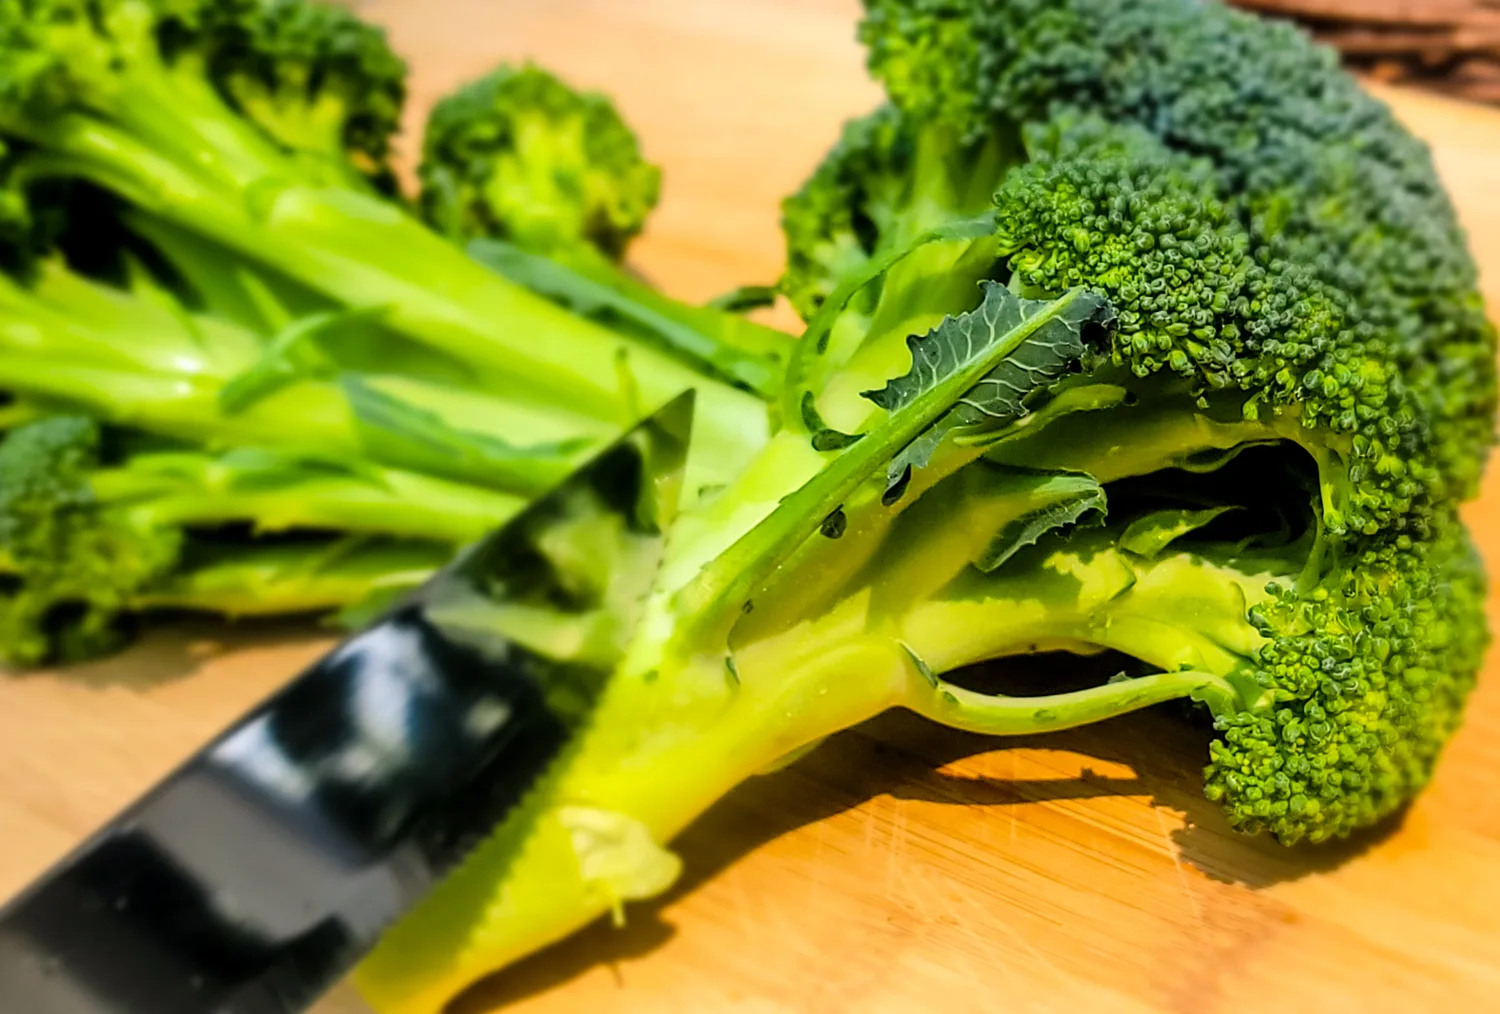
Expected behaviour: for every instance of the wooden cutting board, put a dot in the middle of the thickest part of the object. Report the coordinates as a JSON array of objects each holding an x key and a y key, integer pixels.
[{"x": 901, "y": 868}]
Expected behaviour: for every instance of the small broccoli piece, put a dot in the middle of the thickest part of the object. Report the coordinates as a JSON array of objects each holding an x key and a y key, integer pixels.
[
  {"x": 547, "y": 186},
  {"x": 320, "y": 81},
  {"x": 519, "y": 155},
  {"x": 76, "y": 574}
]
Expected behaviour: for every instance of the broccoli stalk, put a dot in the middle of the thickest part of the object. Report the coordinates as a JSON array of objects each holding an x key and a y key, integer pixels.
[
  {"x": 138, "y": 107},
  {"x": 89, "y": 541},
  {"x": 139, "y": 359},
  {"x": 1090, "y": 367}
]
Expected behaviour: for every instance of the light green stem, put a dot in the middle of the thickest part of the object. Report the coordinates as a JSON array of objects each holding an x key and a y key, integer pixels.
[{"x": 996, "y": 715}]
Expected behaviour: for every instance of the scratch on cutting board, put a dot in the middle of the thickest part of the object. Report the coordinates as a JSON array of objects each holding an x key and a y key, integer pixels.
[
  {"x": 1195, "y": 902},
  {"x": 899, "y": 835}
]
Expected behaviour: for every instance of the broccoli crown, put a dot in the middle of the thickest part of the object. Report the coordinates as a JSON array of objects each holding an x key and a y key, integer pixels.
[
  {"x": 315, "y": 77},
  {"x": 1111, "y": 208},
  {"x": 519, "y": 155},
  {"x": 1368, "y": 672},
  {"x": 1276, "y": 245},
  {"x": 61, "y": 53},
  {"x": 1358, "y": 298},
  {"x": 75, "y": 564}
]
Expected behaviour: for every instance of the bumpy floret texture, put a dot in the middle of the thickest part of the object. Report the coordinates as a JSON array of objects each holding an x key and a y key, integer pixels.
[
  {"x": 521, "y": 155},
  {"x": 76, "y": 569},
  {"x": 1369, "y": 672},
  {"x": 1361, "y": 299},
  {"x": 1111, "y": 208},
  {"x": 313, "y": 75}
]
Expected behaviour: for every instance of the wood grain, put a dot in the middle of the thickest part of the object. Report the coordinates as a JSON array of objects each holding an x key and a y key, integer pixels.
[{"x": 901, "y": 868}]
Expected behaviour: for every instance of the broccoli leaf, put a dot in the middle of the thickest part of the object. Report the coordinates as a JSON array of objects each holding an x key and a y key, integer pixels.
[
  {"x": 1150, "y": 535},
  {"x": 1068, "y": 498},
  {"x": 1046, "y": 339}
]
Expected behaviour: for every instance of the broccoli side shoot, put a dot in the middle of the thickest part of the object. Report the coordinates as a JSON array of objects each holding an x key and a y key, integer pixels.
[
  {"x": 519, "y": 155},
  {"x": 76, "y": 569}
]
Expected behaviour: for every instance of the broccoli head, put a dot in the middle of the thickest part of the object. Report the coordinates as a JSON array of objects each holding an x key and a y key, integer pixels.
[
  {"x": 521, "y": 156},
  {"x": 1284, "y": 268}
]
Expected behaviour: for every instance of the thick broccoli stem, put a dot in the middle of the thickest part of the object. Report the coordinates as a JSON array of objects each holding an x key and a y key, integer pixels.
[
  {"x": 527, "y": 886},
  {"x": 658, "y": 752},
  {"x": 313, "y": 416}
]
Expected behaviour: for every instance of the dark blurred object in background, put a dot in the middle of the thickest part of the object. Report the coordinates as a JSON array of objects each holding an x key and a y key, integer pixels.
[{"x": 1449, "y": 45}]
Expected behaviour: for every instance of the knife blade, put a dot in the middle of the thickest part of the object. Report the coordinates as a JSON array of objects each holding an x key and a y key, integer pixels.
[{"x": 251, "y": 879}]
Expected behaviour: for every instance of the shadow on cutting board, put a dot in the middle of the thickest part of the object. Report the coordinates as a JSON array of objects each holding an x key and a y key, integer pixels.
[
  {"x": 902, "y": 756},
  {"x": 174, "y": 647}
]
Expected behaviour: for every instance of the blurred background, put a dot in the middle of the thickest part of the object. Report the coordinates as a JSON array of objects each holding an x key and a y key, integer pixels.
[{"x": 1448, "y": 45}]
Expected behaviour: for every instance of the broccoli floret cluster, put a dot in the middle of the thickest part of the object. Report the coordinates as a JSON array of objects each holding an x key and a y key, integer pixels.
[
  {"x": 519, "y": 155},
  {"x": 76, "y": 569},
  {"x": 1363, "y": 301},
  {"x": 316, "y": 78},
  {"x": 1284, "y": 266},
  {"x": 1369, "y": 671},
  {"x": 833, "y": 224}
]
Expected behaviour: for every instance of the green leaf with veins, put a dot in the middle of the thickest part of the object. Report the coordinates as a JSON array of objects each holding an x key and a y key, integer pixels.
[
  {"x": 1000, "y": 397},
  {"x": 803, "y": 375}
]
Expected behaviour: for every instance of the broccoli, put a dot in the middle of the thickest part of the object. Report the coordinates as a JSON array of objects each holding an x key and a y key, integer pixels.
[
  {"x": 315, "y": 78},
  {"x": 218, "y": 128},
  {"x": 1131, "y": 327},
  {"x": 518, "y": 155},
  {"x": 85, "y": 544},
  {"x": 547, "y": 185},
  {"x": 201, "y": 245}
]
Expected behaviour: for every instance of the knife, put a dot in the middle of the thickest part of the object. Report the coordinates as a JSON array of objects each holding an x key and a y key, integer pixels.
[{"x": 255, "y": 876}]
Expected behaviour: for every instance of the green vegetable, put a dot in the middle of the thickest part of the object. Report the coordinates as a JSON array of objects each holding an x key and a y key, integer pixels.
[
  {"x": 547, "y": 186},
  {"x": 1131, "y": 327},
  {"x": 520, "y": 156},
  {"x": 1135, "y": 328},
  {"x": 200, "y": 117},
  {"x": 202, "y": 251}
]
